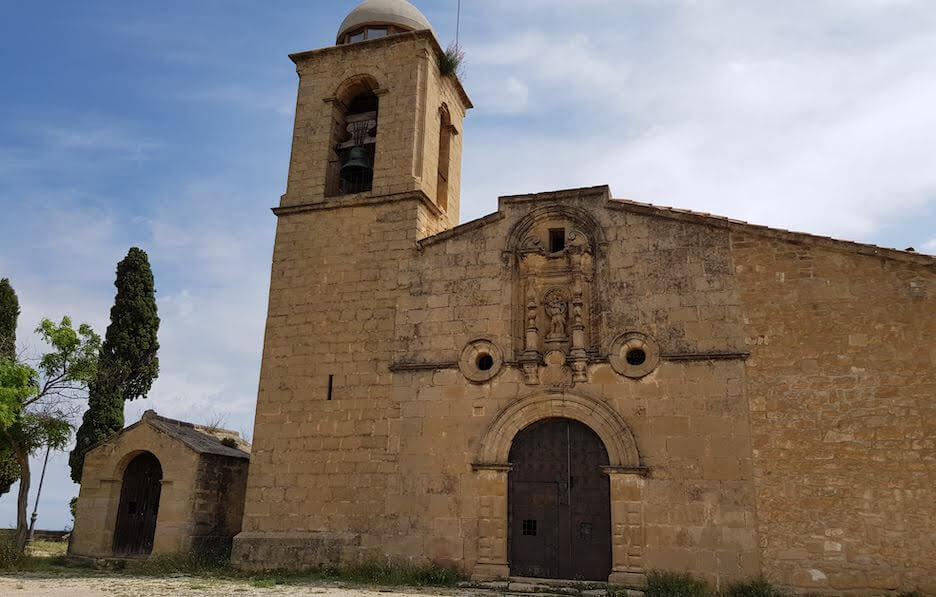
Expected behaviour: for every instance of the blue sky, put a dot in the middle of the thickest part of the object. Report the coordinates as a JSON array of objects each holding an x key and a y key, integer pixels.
[{"x": 167, "y": 126}]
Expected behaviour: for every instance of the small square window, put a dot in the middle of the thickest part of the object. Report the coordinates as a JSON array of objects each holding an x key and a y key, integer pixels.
[
  {"x": 375, "y": 33},
  {"x": 529, "y": 527},
  {"x": 356, "y": 37},
  {"x": 556, "y": 240},
  {"x": 585, "y": 530}
]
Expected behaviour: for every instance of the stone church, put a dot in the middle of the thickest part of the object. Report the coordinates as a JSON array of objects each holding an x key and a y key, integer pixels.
[{"x": 574, "y": 386}]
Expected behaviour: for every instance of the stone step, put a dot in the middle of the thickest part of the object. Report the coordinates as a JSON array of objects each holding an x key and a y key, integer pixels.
[{"x": 547, "y": 587}]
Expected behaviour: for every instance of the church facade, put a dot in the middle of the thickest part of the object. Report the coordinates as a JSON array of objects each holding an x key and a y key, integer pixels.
[{"x": 574, "y": 386}]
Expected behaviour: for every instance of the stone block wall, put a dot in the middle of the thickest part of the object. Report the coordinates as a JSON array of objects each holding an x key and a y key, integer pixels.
[
  {"x": 841, "y": 385},
  {"x": 218, "y": 500},
  {"x": 320, "y": 464}
]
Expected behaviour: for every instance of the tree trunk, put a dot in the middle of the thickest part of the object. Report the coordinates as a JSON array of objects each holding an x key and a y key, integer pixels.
[{"x": 22, "y": 503}]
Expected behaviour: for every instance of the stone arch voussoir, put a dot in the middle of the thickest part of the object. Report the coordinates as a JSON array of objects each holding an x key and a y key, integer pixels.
[
  {"x": 355, "y": 84},
  {"x": 580, "y": 217},
  {"x": 602, "y": 419}
]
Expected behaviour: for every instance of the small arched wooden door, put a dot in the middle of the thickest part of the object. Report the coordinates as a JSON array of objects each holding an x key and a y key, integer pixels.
[
  {"x": 139, "y": 507},
  {"x": 559, "y": 503}
]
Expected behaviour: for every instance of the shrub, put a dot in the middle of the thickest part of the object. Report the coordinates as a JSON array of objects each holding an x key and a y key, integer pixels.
[
  {"x": 450, "y": 62},
  {"x": 754, "y": 588},
  {"x": 10, "y": 557},
  {"x": 672, "y": 584}
]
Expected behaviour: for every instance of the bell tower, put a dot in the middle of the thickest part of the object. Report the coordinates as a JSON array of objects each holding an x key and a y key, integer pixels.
[
  {"x": 377, "y": 117},
  {"x": 375, "y": 166}
]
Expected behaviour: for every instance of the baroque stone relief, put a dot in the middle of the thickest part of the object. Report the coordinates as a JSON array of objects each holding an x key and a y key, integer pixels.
[{"x": 555, "y": 278}]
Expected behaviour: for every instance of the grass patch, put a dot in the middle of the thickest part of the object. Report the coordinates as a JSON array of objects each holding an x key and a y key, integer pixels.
[
  {"x": 754, "y": 588},
  {"x": 40, "y": 557},
  {"x": 673, "y": 584},
  {"x": 205, "y": 563},
  {"x": 49, "y": 549},
  {"x": 263, "y": 583},
  {"x": 390, "y": 573},
  {"x": 215, "y": 564}
]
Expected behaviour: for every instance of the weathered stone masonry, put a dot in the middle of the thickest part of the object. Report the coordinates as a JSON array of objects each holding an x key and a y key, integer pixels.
[{"x": 779, "y": 419}]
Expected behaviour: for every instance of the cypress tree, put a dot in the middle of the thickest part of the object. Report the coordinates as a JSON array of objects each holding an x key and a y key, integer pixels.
[
  {"x": 9, "y": 314},
  {"x": 128, "y": 363}
]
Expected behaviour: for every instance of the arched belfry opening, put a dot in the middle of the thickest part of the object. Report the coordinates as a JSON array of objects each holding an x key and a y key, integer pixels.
[
  {"x": 135, "y": 528},
  {"x": 353, "y": 150},
  {"x": 445, "y": 143},
  {"x": 559, "y": 512}
]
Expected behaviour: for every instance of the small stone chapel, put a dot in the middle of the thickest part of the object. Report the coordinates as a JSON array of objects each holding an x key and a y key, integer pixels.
[{"x": 160, "y": 486}]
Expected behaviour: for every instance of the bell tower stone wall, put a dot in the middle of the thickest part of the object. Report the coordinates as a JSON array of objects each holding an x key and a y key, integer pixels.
[{"x": 322, "y": 461}]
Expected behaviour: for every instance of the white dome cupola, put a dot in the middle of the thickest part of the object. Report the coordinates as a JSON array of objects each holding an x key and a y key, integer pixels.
[{"x": 378, "y": 18}]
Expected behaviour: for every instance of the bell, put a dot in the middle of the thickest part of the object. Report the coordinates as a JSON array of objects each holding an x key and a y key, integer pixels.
[{"x": 356, "y": 165}]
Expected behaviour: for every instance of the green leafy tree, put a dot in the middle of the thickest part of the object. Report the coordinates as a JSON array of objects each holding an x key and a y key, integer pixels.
[
  {"x": 36, "y": 405},
  {"x": 128, "y": 363},
  {"x": 9, "y": 314}
]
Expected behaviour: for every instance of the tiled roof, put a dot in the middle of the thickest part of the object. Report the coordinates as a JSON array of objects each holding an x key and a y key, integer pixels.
[
  {"x": 743, "y": 226},
  {"x": 202, "y": 439}
]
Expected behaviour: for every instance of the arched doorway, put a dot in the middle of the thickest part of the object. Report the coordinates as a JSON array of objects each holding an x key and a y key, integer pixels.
[
  {"x": 139, "y": 507},
  {"x": 559, "y": 515}
]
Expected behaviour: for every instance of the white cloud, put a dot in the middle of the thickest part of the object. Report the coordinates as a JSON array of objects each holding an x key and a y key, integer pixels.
[
  {"x": 507, "y": 95},
  {"x": 98, "y": 138},
  {"x": 816, "y": 118}
]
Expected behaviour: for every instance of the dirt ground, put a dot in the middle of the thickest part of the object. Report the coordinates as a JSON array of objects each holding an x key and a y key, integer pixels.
[{"x": 32, "y": 586}]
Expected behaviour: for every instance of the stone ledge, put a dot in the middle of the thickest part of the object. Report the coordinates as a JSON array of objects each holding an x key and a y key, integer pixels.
[
  {"x": 544, "y": 587},
  {"x": 424, "y": 366},
  {"x": 705, "y": 356}
]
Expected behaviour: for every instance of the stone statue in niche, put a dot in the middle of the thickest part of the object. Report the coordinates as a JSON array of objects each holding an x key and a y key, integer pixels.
[{"x": 556, "y": 308}]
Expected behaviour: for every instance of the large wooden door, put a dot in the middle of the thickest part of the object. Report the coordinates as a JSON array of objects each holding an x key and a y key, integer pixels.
[
  {"x": 559, "y": 502},
  {"x": 139, "y": 507}
]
